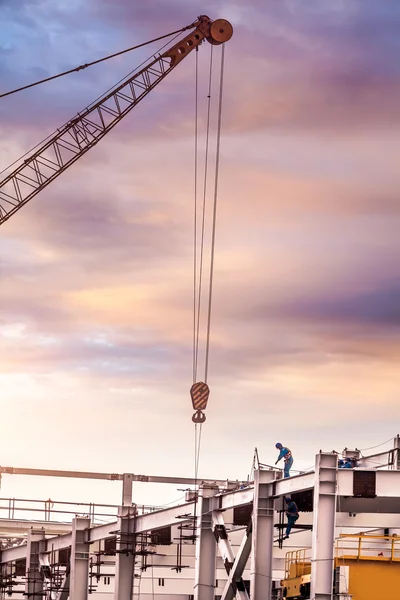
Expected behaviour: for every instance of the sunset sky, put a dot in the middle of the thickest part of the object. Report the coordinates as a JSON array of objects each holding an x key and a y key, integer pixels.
[{"x": 96, "y": 292}]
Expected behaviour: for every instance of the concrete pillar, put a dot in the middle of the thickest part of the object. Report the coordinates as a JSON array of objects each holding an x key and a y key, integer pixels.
[
  {"x": 324, "y": 520},
  {"x": 204, "y": 576},
  {"x": 34, "y": 581},
  {"x": 79, "y": 571},
  {"x": 125, "y": 560},
  {"x": 262, "y": 537}
]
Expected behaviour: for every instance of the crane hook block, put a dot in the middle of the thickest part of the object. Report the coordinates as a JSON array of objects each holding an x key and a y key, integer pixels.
[
  {"x": 199, "y": 417},
  {"x": 199, "y": 393}
]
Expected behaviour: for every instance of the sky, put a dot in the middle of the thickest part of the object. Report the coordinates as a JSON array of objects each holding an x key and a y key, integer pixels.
[{"x": 96, "y": 292}]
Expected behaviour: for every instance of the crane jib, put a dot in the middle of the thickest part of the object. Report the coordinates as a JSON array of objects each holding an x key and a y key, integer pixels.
[{"x": 84, "y": 131}]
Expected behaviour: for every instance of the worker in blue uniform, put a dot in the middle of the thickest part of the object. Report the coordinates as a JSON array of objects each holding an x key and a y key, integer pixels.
[
  {"x": 287, "y": 457},
  {"x": 292, "y": 513}
]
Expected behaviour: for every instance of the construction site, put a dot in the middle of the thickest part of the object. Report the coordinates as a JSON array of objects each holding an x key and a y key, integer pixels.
[
  {"x": 229, "y": 538},
  {"x": 225, "y": 541}
]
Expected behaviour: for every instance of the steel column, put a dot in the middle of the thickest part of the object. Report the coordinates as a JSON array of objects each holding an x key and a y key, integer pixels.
[
  {"x": 324, "y": 520},
  {"x": 206, "y": 548},
  {"x": 125, "y": 561},
  {"x": 262, "y": 536},
  {"x": 34, "y": 581},
  {"x": 79, "y": 572}
]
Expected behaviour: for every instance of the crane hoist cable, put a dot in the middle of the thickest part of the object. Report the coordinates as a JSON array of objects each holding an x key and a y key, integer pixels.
[
  {"x": 200, "y": 390},
  {"x": 198, "y": 309},
  {"x": 94, "y": 62}
]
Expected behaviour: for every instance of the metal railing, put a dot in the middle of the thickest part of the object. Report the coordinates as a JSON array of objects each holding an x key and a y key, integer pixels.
[
  {"x": 368, "y": 547},
  {"x": 58, "y": 511},
  {"x": 300, "y": 559}
]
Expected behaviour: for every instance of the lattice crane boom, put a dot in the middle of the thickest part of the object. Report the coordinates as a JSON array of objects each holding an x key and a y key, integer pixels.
[{"x": 83, "y": 132}]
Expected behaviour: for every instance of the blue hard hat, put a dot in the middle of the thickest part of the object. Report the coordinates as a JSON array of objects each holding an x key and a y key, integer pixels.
[
  {"x": 288, "y": 499},
  {"x": 278, "y": 445}
]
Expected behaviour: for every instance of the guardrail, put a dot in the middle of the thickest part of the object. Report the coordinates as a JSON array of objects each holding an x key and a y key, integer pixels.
[{"x": 58, "y": 511}]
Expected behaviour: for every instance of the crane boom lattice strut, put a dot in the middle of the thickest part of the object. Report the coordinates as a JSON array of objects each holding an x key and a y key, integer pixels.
[{"x": 83, "y": 132}]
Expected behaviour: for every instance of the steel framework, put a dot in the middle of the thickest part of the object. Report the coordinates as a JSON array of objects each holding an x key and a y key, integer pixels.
[
  {"x": 88, "y": 127},
  {"x": 340, "y": 498}
]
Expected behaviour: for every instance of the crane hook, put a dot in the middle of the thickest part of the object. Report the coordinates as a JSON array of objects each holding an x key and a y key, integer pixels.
[{"x": 199, "y": 417}]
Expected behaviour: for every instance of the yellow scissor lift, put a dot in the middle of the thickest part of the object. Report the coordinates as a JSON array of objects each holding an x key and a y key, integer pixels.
[{"x": 367, "y": 567}]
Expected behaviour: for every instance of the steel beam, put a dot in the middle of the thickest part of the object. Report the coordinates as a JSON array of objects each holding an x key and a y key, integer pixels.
[
  {"x": 324, "y": 519},
  {"x": 149, "y": 522},
  {"x": 63, "y": 592},
  {"x": 19, "y": 526},
  {"x": 235, "y": 498},
  {"x": 290, "y": 485},
  {"x": 79, "y": 572},
  {"x": 262, "y": 536},
  {"x": 236, "y": 572},
  {"x": 204, "y": 576},
  {"x": 236, "y": 587},
  {"x": 116, "y": 476}
]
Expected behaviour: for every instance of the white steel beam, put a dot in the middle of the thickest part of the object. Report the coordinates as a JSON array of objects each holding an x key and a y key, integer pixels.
[
  {"x": 239, "y": 565},
  {"x": 204, "y": 576},
  {"x": 290, "y": 485},
  {"x": 387, "y": 482},
  {"x": 236, "y": 587},
  {"x": 115, "y": 476},
  {"x": 372, "y": 521},
  {"x": 125, "y": 560},
  {"x": 19, "y": 526},
  {"x": 34, "y": 581},
  {"x": 63, "y": 592},
  {"x": 149, "y": 522},
  {"x": 79, "y": 572},
  {"x": 232, "y": 499},
  {"x": 324, "y": 518},
  {"x": 262, "y": 536}
]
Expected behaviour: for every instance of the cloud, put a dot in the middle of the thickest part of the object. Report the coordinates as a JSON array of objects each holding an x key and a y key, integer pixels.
[{"x": 96, "y": 290}]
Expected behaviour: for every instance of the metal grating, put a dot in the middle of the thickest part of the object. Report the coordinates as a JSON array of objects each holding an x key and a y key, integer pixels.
[
  {"x": 63, "y": 556},
  {"x": 110, "y": 546},
  {"x": 364, "y": 484},
  {"x": 242, "y": 514},
  {"x": 161, "y": 537},
  {"x": 20, "y": 567},
  {"x": 304, "y": 500}
]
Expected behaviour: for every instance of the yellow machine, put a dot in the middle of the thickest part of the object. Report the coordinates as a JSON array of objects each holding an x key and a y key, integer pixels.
[{"x": 367, "y": 567}]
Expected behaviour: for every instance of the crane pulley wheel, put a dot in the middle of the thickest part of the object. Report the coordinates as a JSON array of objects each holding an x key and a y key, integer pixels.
[{"x": 220, "y": 32}]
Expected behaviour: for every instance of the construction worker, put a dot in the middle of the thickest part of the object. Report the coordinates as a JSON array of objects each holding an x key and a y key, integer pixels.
[
  {"x": 292, "y": 513},
  {"x": 287, "y": 457}
]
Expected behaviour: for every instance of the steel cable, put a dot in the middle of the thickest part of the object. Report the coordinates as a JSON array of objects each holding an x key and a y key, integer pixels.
[
  {"x": 214, "y": 212},
  {"x": 94, "y": 62}
]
